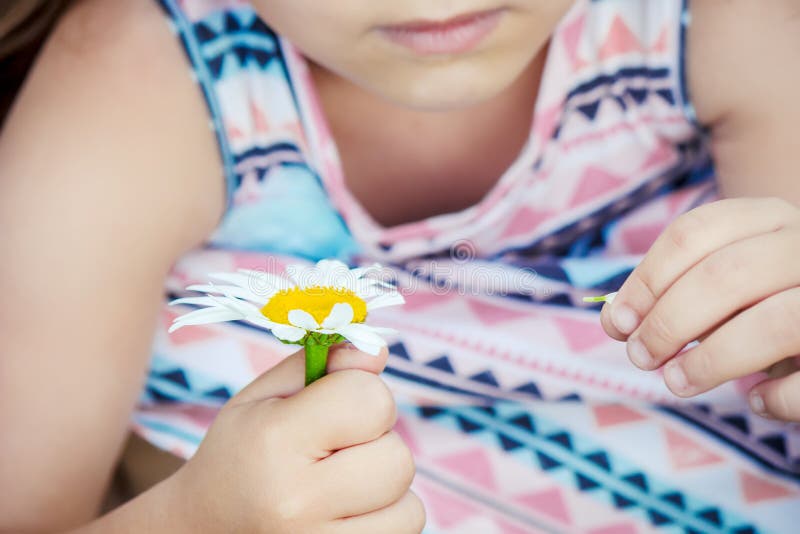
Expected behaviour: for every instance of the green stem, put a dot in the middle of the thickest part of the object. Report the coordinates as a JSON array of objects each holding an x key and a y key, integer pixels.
[{"x": 316, "y": 359}]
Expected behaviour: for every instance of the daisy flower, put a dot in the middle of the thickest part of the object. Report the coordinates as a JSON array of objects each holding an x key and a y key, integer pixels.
[{"x": 314, "y": 306}]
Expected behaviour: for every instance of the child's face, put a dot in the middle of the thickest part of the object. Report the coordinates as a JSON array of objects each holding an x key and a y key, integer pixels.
[{"x": 433, "y": 54}]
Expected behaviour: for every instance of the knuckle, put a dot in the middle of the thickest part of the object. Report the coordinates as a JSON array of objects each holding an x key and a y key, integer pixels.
[
  {"x": 725, "y": 270},
  {"x": 783, "y": 317},
  {"x": 702, "y": 366},
  {"x": 377, "y": 396},
  {"x": 289, "y": 507},
  {"x": 782, "y": 207},
  {"x": 657, "y": 330},
  {"x": 682, "y": 234}
]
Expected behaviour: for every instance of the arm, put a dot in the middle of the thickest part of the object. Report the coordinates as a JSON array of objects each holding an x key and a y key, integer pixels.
[
  {"x": 744, "y": 77},
  {"x": 726, "y": 273},
  {"x": 105, "y": 157}
]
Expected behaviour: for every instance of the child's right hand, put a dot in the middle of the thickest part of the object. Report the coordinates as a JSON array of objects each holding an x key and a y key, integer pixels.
[{"x": 282, "y": 459}]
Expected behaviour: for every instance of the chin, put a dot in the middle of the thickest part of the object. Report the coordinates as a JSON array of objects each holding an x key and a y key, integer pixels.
[{"x": 443, "y": 86}]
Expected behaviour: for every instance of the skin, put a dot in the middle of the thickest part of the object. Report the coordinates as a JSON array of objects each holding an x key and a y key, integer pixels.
[
  {"x": 102, "y": 196},
  {"x": 726, "y": 273}
]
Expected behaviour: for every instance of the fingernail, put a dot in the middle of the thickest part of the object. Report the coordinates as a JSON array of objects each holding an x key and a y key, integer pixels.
[
  {"x": 639, "y": 354},
  {"x": 675, "y": 377},
  {"x": 757, "y": 403},
  {"x": 624, "y": 318}
]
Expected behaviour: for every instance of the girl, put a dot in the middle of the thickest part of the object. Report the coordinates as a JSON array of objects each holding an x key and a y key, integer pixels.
[{"x": 507, "y": 159}]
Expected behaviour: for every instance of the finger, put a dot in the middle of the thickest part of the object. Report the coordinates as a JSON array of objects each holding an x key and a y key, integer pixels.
[
  {"x": 750, "y": 342},
  {"x": 609, "y": 326},
  {"x": 339, "y": 410},
  {"x": 778, "y": 398},
  {"x": 406, "y": 516},
  {"x": 378, "y": 473},
  {"x": 726, "y": 281},
  {"x": 688, "y": 240},
  {"x": 288, "y": 377},
  {"x": 784, "y": 367}
]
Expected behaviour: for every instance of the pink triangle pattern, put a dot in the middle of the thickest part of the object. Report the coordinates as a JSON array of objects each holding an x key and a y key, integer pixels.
[
  {"x": 581, "y": 335},
  {"x": 491, "y": 314},
  {"x": 686, "y": 453},
  {"x": 621, "y": 528},
  {"x": 595, "y": 182},
  {"x": 608, "y": 415},
  {"x": 446, "y": 509},
  {"x": 524, "y": 222},
  {"x": 620, "y": 40},
  {"x": 422, "y": 299},
  {"x": 472, "y": 465},
  {"x": 549, "y": 503},
  {"x": 571, "y": 37},
  {"x": 756, "y": 489}
]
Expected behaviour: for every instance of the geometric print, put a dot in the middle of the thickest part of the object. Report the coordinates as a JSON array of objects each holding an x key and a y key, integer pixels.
[
  {"x": 522, "y": 415},
  {"x": 576, "y": 461}
]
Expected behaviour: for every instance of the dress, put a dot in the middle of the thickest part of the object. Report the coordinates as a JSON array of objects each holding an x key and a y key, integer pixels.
[{"x": 522, "y": 415}]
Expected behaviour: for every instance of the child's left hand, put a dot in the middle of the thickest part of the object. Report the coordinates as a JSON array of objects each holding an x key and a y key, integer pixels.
[{"x": 727, "y": 274}]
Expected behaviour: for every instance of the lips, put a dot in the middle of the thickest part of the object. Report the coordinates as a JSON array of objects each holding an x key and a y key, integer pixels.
[{"x": 456, "y": 35}]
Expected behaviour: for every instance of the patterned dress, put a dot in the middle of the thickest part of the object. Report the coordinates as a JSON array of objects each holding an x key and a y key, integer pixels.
[{"x": 523, "y": 416}]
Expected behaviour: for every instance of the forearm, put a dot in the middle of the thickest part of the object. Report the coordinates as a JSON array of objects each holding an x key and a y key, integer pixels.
[{"x": 160, "y": 509}]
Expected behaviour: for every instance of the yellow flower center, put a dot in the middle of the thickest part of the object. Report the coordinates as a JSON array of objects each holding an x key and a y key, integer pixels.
[{"x": 317, "y": 300}]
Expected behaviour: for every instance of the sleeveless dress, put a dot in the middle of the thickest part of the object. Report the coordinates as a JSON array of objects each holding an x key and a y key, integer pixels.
[{"x": 522, "y": 415}]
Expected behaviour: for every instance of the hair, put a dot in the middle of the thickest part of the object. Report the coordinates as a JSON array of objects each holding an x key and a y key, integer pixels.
[{"x": 24, "y": 25}]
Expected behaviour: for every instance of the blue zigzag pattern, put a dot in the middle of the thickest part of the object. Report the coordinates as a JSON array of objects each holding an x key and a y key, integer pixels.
[
  {"x": 168, "y": 383},
  {"x": 577, "y": 461}
]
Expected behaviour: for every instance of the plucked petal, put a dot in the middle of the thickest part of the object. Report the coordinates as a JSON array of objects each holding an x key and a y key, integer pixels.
[
  {"x": 303, "y": 319},
  {"x": 340, "y": 315}
]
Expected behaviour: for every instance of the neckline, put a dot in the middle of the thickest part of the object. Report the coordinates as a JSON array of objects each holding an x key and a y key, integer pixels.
[{"x": 323, "y": 154}]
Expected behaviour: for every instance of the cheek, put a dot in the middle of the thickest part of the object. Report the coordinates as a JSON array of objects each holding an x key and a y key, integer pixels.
[{"x": 329, "y": 33}]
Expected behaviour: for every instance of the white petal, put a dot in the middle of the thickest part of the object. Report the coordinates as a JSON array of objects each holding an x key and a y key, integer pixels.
[
  {"x": 387, "y": 299},
  {"x": 258, "y": 286},
  {"x": 195, "y": 301},
  {"x": 236, "y": 279},
  {"x": 205, "y": 316},
  {"x": 264, "y": 279},
  {"x": 369, "y": 287},
  {"x": 281, "y": 331},
  {"x": 288, "y": 333},
  {"x": 384, "y": 331},
  {"x": 340, "y": 315},
  {"x": 359, "y": 272},
  {"x": 363, "y": 337},
  {"x": 303, "y": 319},
  {"x": 234, "y": 291},
  {"x": 334, "y": 273},
  {"x": 234, "y": 304},
  {"x": 303, "y": 276}
]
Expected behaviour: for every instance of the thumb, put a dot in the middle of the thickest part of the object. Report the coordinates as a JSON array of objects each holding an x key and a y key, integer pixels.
[{"x": 288, "y": 377}]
